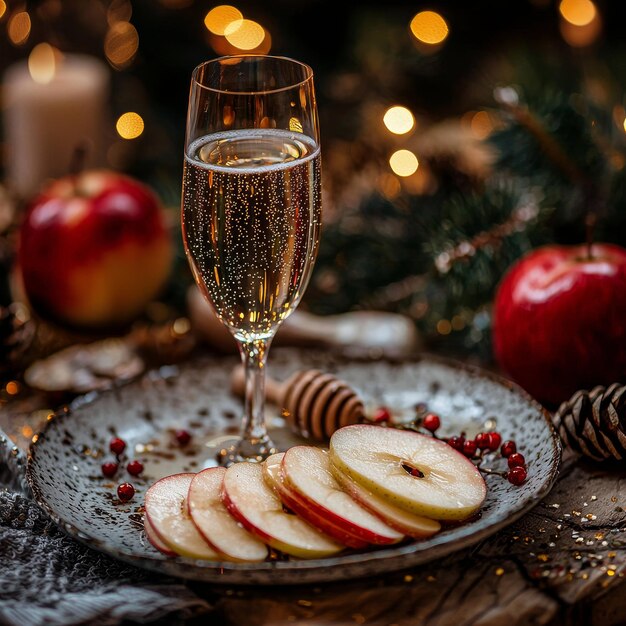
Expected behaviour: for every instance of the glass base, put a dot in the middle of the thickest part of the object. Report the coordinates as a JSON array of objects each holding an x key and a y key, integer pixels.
[{"x": 234, "y": 450}]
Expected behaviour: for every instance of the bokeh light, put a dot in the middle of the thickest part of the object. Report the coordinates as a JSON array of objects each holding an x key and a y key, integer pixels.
[
  {"x": 119, "y": 11},
  {"x": 404, "y": 163},
  {"x": 481, "y": 125},
  {"x": 42, "y": 63},
  {"x": 129, "y": 125},
  {"x": 220, "y": 17},
  {"x": 578, "y": 12},
  {"x": 3, "y": 8},
  {"x": 429, "y": 27},
  {"x": 18, "y": 28},
  {"x": 12, "y": 388},
  {"x": 244, "y": 34},
  {"x": 121, "y": 44},
  {"x": 399, "y": 120},
  {"x": 581, "y": 36}
]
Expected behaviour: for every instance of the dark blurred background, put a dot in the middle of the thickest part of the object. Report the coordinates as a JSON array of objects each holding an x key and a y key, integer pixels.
[{"x": 490, "y": 87}]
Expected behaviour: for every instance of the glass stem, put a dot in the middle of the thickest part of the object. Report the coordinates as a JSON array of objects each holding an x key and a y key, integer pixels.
[{"x": 255, "y": 442}]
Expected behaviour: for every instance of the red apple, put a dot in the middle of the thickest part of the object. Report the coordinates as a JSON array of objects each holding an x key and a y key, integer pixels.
[
  {"x": 560, "y": 320},
  {"x": 93, "y": 250}
]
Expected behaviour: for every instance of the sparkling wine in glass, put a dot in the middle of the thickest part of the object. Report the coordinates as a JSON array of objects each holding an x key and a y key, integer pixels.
[{"x": 251, "y": 208}]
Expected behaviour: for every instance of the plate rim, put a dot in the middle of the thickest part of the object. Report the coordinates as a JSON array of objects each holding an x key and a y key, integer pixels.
[{"x": 223, "y": 570}]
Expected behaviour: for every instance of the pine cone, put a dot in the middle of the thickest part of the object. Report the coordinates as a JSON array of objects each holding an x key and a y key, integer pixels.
[{"x": 593, "y": 422}]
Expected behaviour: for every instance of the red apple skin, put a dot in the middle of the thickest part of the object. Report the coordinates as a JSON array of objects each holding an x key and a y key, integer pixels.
[
  {"x": 93, "y": 250},
  {"x": 331, "y": 520},
  {"x": 292, "y": 500},
  {"x": 559, "y": 320}
]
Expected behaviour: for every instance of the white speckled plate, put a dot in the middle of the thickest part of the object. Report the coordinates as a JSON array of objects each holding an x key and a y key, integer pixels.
[{"x": 64, "y": 463}]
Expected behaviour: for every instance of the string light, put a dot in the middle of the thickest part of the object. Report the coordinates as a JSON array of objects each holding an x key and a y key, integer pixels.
[
  {"x": 3, "y": 8},
  {"x": 429, "y": 27},
  {"x": 19, "y": 28},
  {"x": 398, "y": 120},
  {"x": 244, "y": 34},
  {"x": 42, "y": 63},
  {"x": 220, "y": 17},
  {"x": 578, "y": 12},
  {"x": 129, "y": 125},
  {"x": 404, "y": 163}
]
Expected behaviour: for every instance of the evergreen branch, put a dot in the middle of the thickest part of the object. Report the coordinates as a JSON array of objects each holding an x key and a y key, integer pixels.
[
  {"x": 550, "y": 146},
  {"x": 462, "y": 251}
]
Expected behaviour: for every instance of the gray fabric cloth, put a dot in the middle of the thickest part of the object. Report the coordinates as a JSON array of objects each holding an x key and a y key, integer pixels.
[{"x": 48, "y": 578}]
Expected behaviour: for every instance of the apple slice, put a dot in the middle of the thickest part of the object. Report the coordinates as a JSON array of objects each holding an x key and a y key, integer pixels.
[
  {"x": 380, "y": 459},
  {"x": 253, "y": 503},
  {"x": 307, "y": 471},
  {"x": 153, "y": 538},
  {"x": 415, "y": 526},
  {"x": 292, "y": 500},
  {"x": 167, "y": 515},
  {"x": 218, "y": 527}
]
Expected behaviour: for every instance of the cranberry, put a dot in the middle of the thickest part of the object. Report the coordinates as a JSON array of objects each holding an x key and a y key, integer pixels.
[
  {"x": 517, "y": 460},
  {"x": 125, "y": 492},
  {"x": 482, "y": 441},
  {"x": 182, "y": 436},
  {"x": 432, "y": 422},
  {"x": 109, "y": 469},
  {"x": 508, "y": 448},
  {"x": 134, "y": 468},
  {"x": 382, "y": 415},
  {"x": 495, "y": 439},
  {"x": 469, "y": 448},
  {"x": 517, "y": 476},
  {"x": 117, "y": 445},
  {"x": 457, "y": 442}
]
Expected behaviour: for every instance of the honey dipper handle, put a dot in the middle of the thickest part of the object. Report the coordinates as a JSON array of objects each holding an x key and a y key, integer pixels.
[{"x": 273, "y": 389}]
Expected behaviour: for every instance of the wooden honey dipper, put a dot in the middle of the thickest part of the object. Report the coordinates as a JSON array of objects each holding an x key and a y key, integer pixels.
[{"x": 314, "y": 404}]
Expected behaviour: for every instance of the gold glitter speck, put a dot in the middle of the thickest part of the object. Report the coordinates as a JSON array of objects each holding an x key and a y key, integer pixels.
[{"x": 499, "y": 571}]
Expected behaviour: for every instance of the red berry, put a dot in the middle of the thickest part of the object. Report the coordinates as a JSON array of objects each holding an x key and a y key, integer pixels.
[
  {"x": 382, "y": 415},
  {"x": 183, "y": 437},
  {"x": 495, "y": 439},
  {"x": 125, "y": 492},
  {"x": 517, "y": 460},
  {"x": 482, "y": 441},
  {"x": 109, "y": 469},
  {"x": 517, "y": 476},
  {"x": 457, "y": 442},
  {"x": 416, "y": 472},
  {"x": 117, "y": 445},
  {"x": 432, "y": 422},
  {"x": 508, "y": 448},
  {"x": 469, "y": 448},
  {"x": 135, "y": 468}
]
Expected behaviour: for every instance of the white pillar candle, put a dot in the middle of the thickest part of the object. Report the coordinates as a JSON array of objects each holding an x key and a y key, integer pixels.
[{"x": 53, "y": 104}]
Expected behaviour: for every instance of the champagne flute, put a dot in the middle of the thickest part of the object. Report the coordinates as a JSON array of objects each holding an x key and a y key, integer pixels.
[{"x": 251, "y": 208}]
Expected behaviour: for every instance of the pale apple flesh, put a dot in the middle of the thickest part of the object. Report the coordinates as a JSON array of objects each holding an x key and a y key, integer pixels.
[
  {"x": 167, "y": 515},
  {"x": 416, "y": 526},
  {"x": 451, "y": 487},
  {"x": 216, "y": 524},
  {"x": 253, "y": 503},
  {"x": 307, "y": 471},
  {"x": 292, "y": 500},
  {"x": 153, "y": 538}
]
